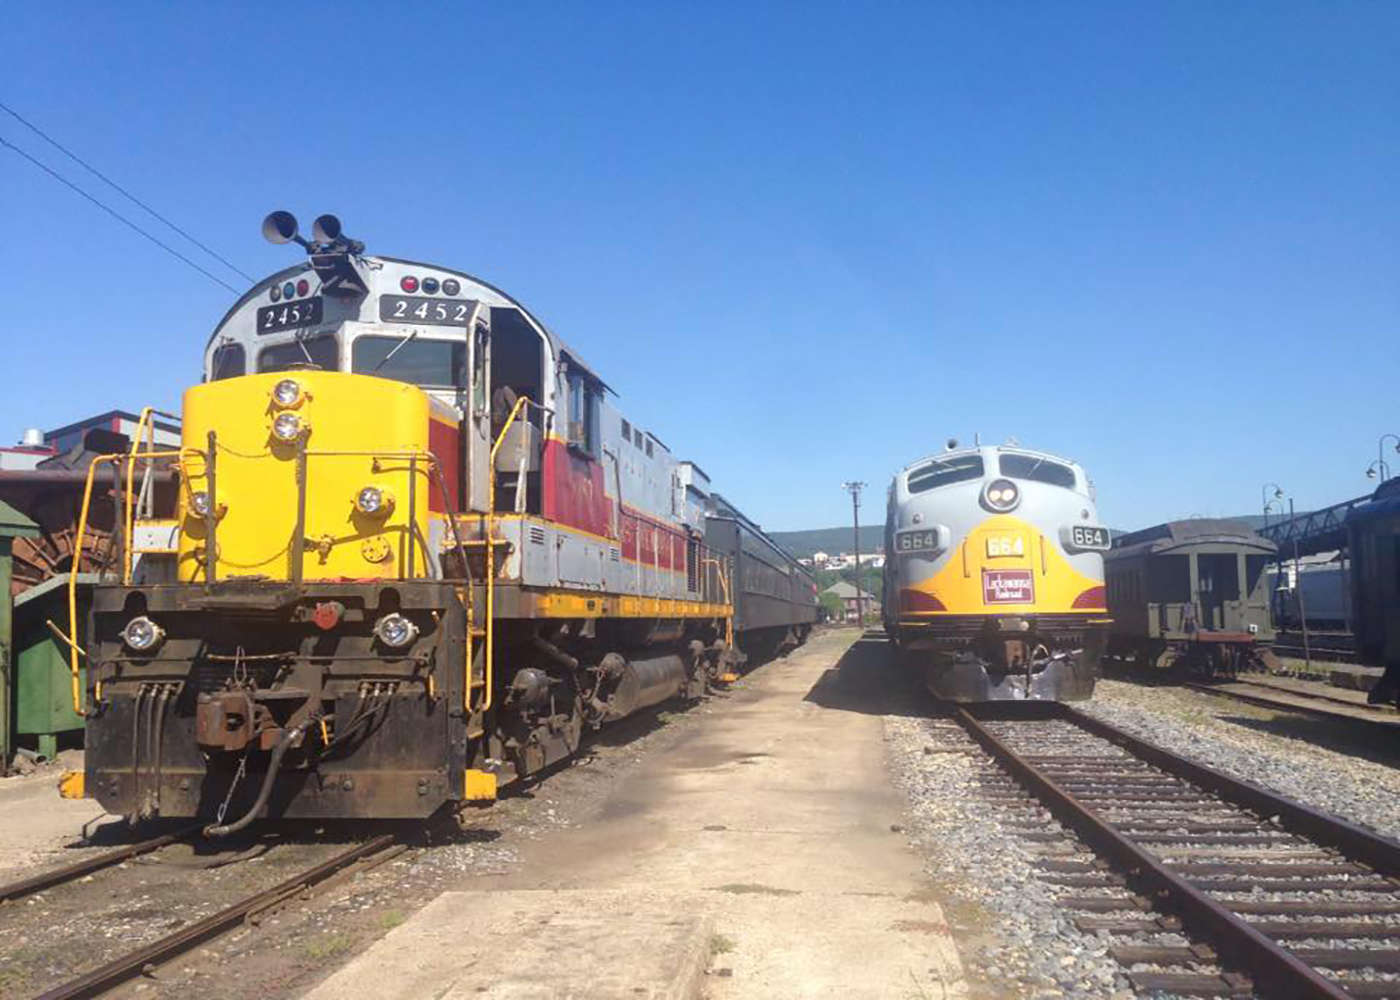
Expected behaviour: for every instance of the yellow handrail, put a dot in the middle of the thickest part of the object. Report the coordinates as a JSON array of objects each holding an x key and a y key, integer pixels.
[
  {"x": 77, "y": 556},
  {"x": 490, "y": 540},
  {"x": 147, "y": 425},
  {"x": 724, "y": 583},
  {"x": 73, "y": 578}
]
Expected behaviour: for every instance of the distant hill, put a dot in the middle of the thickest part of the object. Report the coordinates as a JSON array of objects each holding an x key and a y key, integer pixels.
[{"x": 829, "y": 540}]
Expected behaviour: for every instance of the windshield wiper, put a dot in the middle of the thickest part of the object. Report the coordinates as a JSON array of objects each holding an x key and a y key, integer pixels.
[{"x": 397, "y": 347}]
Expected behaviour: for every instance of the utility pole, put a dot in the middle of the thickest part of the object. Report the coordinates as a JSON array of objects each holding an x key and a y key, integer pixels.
[
  {"x": 1298, "y": 588},
  {"x": 854, "y": 488}
]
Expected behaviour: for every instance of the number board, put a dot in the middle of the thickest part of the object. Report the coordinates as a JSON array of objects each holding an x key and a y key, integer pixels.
[
  {"x": 289, "y": 315},
  {"x": 917, "y": 541},
  {"x": 420, "y": 309},
  {"x": 1090, "y": 537}
]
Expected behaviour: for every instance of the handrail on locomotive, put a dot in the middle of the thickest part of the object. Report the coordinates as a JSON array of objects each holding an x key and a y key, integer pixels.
[{"x": 131, "y": 501}]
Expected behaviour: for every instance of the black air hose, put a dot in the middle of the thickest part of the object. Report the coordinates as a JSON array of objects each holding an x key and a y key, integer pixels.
[{"x": 265, "y": 792}]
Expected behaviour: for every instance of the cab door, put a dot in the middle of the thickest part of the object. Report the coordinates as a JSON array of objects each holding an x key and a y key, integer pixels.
[{"x": 476, "y": 420}]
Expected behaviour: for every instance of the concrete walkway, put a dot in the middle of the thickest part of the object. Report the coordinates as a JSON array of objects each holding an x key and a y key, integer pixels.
[{"x": 768, "y": 836}]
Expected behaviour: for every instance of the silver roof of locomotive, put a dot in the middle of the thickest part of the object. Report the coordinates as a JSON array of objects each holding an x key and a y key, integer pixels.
[
  {"x": 988, "y": 450},
  {"x": 473, "y": 288}
]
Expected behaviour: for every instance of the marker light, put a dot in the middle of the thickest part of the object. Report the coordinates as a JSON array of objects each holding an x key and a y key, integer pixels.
[
  {"x": 408, "y": 283},
  {"x": 287, "y": 427},
  {"x": 276, "y": 293},
  {"x": 287, "y": 393},
  {"x": 199, "y": 504},
  {"x": 430, "y": 285},
  {"x": 451, "y": 286},
  {"x": 374, "y": 501},
  {"x": 1002, "y": 495},
  {"x": 395, "y": 631},
  {"x": 303, "y": 286},
  {"x": 142, "y": 634},
  {"x": 289, "y": 289}
]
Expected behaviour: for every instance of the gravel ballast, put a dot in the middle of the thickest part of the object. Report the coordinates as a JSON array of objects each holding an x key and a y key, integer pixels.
[{"x": 1318, "y": 763}]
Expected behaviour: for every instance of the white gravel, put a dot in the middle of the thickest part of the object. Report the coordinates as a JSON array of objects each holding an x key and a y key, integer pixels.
[
  {"x": 1261, "y": 746},
  {"x": 1033, "y": 949}
]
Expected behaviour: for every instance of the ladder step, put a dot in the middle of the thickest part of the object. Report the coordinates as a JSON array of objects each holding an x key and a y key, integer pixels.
[{"x": 477, "y": 633}]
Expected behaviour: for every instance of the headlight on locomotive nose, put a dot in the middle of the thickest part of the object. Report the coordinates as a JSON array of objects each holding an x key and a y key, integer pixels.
[
  {"x": 199, "y": 503},
  {"x": 374, "y": 502},
  {"x": 287, "y": 393},
  {"x": 395, "y": 631},
  {"x": 141, "y": 634},
  {"x": 1002, "y": 495},
  {"x": 287, "y": 427}
]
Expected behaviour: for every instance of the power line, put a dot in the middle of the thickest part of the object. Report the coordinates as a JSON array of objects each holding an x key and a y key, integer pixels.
[
  {"x": 116, "y": 215},
  {"x": 107, "y": 180}
]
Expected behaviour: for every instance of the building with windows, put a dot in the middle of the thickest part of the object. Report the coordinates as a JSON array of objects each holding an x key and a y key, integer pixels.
[{"x": 848, "y": 594}]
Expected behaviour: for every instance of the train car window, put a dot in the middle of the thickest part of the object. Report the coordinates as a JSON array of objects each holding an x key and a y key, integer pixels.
[
  {"x": 230, "y": 361},
  {"x": 420, "y": 362},
  {"x": 1036, "y": 469},
  {"x": 648, "y": 447},
  {"x": 626, "y": 430},
  {"x": 323, "y": 352},
  {"x": 945, "y": 472}
]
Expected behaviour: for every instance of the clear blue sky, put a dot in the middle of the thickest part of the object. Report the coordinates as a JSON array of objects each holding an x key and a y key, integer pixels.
[{"x": 804, "y": 243}]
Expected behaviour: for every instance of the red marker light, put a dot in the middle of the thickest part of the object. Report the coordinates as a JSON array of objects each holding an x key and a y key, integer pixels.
[
  {"x": 408, "y": 283},
  {"x": 303, "y": 286},
  {"x": 327, "y": 615}
]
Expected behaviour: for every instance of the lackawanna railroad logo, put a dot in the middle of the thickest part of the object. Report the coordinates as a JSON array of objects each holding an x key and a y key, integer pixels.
[{"x": 1007, "y": 586}]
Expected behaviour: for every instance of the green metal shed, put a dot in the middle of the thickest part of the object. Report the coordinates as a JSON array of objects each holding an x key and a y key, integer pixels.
[{"x": 13, "y": 525}]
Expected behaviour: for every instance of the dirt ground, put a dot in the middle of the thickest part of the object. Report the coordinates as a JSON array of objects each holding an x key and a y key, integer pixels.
[{"x": 775, "y": 821}]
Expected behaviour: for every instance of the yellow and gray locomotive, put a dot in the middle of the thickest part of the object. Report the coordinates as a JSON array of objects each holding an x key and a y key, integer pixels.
[
  {"x": 994, "y": 580},
  {"x": 417, "y": 552}
]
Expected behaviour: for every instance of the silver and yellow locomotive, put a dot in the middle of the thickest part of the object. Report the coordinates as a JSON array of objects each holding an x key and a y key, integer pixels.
[{"x": 994, "y": 580}]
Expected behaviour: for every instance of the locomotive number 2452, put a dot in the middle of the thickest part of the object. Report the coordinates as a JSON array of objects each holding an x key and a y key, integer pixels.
[{"x": 418, "y": 309}]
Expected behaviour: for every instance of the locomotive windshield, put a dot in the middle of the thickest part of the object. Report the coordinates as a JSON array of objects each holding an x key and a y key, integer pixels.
[
  {"x": 945, "y": 472},
  {"x": 323, "y": 352},
  {"x": 421, "y": 362},
  {"x": 230, "y": 361},
  {"x": 1036, "y": 469}
]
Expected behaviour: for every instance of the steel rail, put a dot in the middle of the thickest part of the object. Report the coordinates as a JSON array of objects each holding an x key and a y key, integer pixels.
[
  {"x": 105, "y": 977},
  {"x": 46, "y": 880},
  {"x": 1272, "y": 967},
  {"x": 1381, "y": 853},
  {"x": 1391, "y": 725}
]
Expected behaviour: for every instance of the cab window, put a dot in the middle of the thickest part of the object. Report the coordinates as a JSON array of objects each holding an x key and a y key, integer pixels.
[
  {"x": 1037, "y": 469},
  {"x": 421, "y": 362},
  {"x": 945, "y": 472},
  {"x": 229, "y": 361},
  {"x": 322, "y": 352},
  {"x": 585, "y": 404}
]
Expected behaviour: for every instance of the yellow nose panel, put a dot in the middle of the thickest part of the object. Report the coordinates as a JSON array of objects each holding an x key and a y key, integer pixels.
[
  {"x": 356, "y": 430},
  {"x": 1006, "y": 564}
]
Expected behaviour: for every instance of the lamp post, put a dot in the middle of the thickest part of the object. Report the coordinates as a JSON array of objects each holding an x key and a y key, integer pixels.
[
  {"x": 1297, "y": 572},
  {"x": 854, "y": 488},
  {"x": 1266, "y": 502},
  {"x": 1379, "y": 464}
]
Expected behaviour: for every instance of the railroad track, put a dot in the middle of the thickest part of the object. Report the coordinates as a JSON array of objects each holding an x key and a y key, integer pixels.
[
  {"x": 1320, "y": 706},
  {"x": 1273, "y": 897},
  {"x": 96, "y": 862},
  {"x": 251, "y": 908}
]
